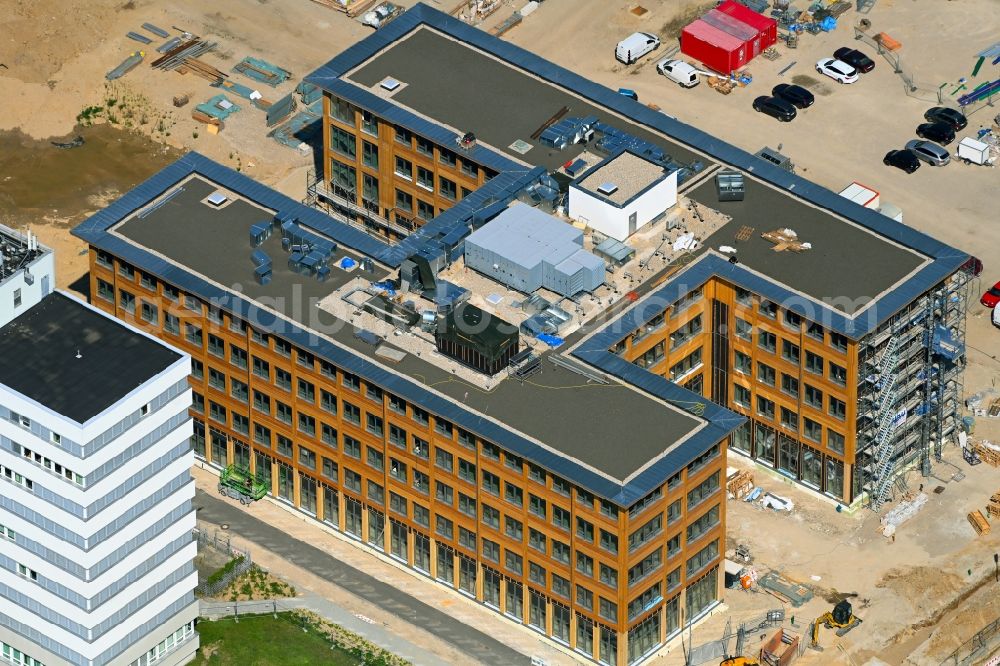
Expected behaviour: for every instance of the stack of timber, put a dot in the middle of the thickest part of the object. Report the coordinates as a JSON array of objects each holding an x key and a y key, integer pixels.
[
  {"x": 720, "y": 84},
  {"x": 177, "y": 56},
  {"x": 202, "y": 69},
  {"x": 350, "y": 7},
  {"x": 993, "y": 508},
  {"x": 739, "y": 484},
  {"x": 988, "y": 453},
  {"x": 979, "y": 523}
]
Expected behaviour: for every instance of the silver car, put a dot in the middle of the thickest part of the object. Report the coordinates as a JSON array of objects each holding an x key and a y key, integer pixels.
[{"x": 930, "y": 152}]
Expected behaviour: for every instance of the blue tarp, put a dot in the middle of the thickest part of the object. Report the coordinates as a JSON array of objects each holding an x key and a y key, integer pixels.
[
  {"x": 551, "y": 340},
  {"x": 347, "y": 263}
]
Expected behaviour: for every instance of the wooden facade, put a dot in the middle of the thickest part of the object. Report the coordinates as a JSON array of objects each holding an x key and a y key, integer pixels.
[
  {"x": 611, "y": 582},
  {"x": 795, "y": 381}
]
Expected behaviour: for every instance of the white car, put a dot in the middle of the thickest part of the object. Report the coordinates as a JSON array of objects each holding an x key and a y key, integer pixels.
[{"x": 838, "y": 70}]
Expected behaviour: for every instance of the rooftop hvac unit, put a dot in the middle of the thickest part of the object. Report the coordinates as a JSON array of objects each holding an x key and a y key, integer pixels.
[
  {"x": 607, "y": 189},
  {"x": 216, "y": 198}
]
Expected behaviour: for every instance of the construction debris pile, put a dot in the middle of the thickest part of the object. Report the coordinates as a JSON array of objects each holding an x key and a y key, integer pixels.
[
  {"x": 785, "y": 239},
  {"x": 901, "y": 513}
]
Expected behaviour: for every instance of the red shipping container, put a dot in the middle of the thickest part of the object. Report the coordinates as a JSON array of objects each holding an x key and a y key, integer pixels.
[
  {"x": 766, "y": 26},
  {"x": 718, "y": 50}
]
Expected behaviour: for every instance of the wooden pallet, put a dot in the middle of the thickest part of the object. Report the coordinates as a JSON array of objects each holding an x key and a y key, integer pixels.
[
  {"x": 740, "y": 484},
  {"x": 744, "y": 233},
  {"x": 987, "y": 454},
  {"x": 979, "y": 522},
  {"x": 993, "y": 508}
]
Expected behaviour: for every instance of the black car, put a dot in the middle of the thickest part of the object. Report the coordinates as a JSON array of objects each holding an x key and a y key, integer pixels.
[
  {"x": 937, "y": 132},
  {"x": 902, "y": 159},
  {"x": 795, "y": 95},
  {"x": 774, "y": 107},
  {"x": 942, "y": 114},
  {"x": 855, "y": 59}
]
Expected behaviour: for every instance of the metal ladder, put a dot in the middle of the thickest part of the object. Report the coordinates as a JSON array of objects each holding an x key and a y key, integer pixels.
[{"x": 885, "y": 422}]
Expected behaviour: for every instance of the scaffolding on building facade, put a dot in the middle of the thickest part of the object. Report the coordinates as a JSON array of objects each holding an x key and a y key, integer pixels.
[{"x": 910, "y": 387}]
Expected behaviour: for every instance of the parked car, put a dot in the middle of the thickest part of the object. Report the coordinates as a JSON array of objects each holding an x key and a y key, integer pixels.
[
  {"x": 837, "y": 70},
  {"x": 929, "y": 152},
  {"x": 795, "y": 95},
  {"x": 680, "y": 72},
  {"x": 635, "y": 46},
  {"x": 991, "y": 296},
  {"x": 902, "y": 159},
  {"x": 941, "y": 133},
  {"x": 942, "y": 114},
  {"x": 855, "y": 59},
  {"x": 774, "y": 107},
  {"x": 628, "y": 92}
]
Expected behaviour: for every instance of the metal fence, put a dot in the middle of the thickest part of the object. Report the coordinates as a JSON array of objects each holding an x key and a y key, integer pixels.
[
  {"x": 219, "y": 609},
  {"x": 911, "y": 85},
  {"x": 978, "y": 648},
  {"x": 223, "y": 544}
]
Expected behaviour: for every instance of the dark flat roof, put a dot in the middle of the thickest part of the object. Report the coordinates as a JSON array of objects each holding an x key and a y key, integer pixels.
[
  {"x": 612, "y": 429},
  {"x": 453, "y": 83},
  {"x": 846, "y": 267},
  {"x": 38, "y": 357}
]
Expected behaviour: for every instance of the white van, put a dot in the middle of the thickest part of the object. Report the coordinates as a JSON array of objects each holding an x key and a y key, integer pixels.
[
  {"x": 679, "y": 72},
  {"x": 635, "y": 46}
]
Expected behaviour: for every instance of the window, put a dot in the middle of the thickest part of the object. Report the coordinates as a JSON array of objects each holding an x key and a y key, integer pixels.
[
  {"x": 767, "y": 341},
  {"x": 467, "y": 539},
  {"x": 425, "y": 178},
  {"x": 125, "y": 300},
  {"x": 688, "y": 364},
  {"x": 376, "y": 459},
  {"x": 838, "y": 408},
  {"x": 171, "y": 324},
  {"x": 814, "y": 363},
  {"x": 685, "y": 332},
  {"x": 584, "y": 598},
  {"x": 765, "y": 374},
  {"x": 561, "y": 486},
  {"x": 105, "y": 290},
  {"x": 352, "y": 413},
  {"x": 741, "y": 395},
  {"x": 811, "y": 429},
  {"x": 397, "y": 470},
  {"x": 537, "y": 540},
  {"x": 608, "y": 576},
  {"x": 425, "y": 147},
  {"x": 421, "y": 515},
  {"x": 744, "y": 330},
  {"x": 686, "y": 301},
  {"x": 742, "y": 362},
  {"x": 421, "y": 448},
  {"x": 513, "y": 494},
  {"x": 790, "y": 352},
  {"x": 674, "y": 512},
  {"x": 644, "y": 601},
  {"x": 444, "y": 527},
  {"x": 239, "y": 390},
  {"x": 491, "y": 483},
  {"x": 447, "y": 188},
  {"x": 707, "y": 521},
  {"x": 491, "y": 550},
  {"x": 330, "y": 469},
  {"x": 369, "y": 154},
  {"x": 369, "y": 123},
  {"x": 307, "y": 391},
  {"x": 374, "y": 425},
  {"x": 609, "y": 542},
  {"x": 467, "y": 505},
  {"x": 814, "y": 331},
  {"x": 149, "y": 313},
  {"x": 284, "y": 446},
  {"x": 283, "y": 348},
  {"x": 513, "y": 528},
  {"x": 536, "y": 574},
  {"x": 703, "y": 558},
  {"x": 838, "y": 341},
  {"x": 560, "y": 552},
  {"x": 397, "y": 404},
  {"x": 283, "y": 412},
  {"x": 743, "y": 296},
  {"x": 608, "y": 509},
  {"x": 560, "y": 517},
  {"x": 283, "y": 379},
  {"x": 404, "y": 168},
  {"x": 352, "y": 447},
  {"x": 814, "y": 397},
  {"x": 765, "y": 407},
  {"x": 513, "y": 562},
  {"x": 768, "y": 309},
  {"x": 443, "y": 459},
  {"x": 328, "y": 402},
  {"x": 403, "y": 135},
  {"x": 447, "y": 157},
  {"x": 397, "y": 503},
  {"x": 789, "y": 419},
  {"x": 537, "y": 506},
  {"x": 584, "y": 530},
  {"x": 790, "y": 385},
  {"x": 838, "y": 374},
  {"x": 651, "y": 356},
  {"x": 834, "y": 441},
  {"x": 343, "y": 142},
  {"x": 419, "y": 415},
  {"x": 608, "y": 610},
  {"x": 444, "y": 493},
  {"x": 216, "y": 412},
  {"x": 466, "y": 471},
  {"x": 703, "y": 491},
  {"x": 328, "y": 435},
  {"x": 421, "y": 482},
  {"x": 491, "y": 516},
  {"x": 307, "y": 458},
  {"x": 404, "y": 201},
  {"x": 648, "y": 531},
  {"x": 560, "y": 586}
]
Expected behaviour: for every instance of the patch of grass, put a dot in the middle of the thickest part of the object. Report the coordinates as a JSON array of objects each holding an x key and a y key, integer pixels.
[
  {"x": 224, "y": 571},
  {"x": 264, "y": 639}
]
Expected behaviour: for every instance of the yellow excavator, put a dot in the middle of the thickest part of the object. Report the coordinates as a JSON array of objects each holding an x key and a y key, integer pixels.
[
  {"x": 841, "y": 618},
  {"x": 739, "y": 661}
]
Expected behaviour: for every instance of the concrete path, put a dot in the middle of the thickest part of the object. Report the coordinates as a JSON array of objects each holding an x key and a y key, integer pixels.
[{"x": 468, "y": 640}]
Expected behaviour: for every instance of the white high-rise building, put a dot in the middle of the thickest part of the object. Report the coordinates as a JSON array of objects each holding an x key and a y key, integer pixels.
[{"x": 96, "y": 519}]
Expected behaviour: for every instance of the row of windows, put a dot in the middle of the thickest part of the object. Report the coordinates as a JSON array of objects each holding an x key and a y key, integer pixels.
[
  {"x": 791, "y": 319},
  {"x": 52, "y": 466}
]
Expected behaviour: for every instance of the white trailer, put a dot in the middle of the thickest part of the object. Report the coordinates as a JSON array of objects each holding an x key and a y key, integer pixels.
[
  {"x": 971, "y": 151},
  {"x": 861, "y": 195}
]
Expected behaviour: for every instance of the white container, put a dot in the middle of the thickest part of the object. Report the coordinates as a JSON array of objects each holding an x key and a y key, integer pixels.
[
  {"x": 861, "y": 195},
  {"x": 974, "y": 151}
]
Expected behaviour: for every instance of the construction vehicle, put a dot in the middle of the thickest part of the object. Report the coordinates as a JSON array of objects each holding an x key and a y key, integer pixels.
[
  {"x": 841, "y": 618},
  {"x": 239, "y": 483},
  {"x": 739, "y": 661}
]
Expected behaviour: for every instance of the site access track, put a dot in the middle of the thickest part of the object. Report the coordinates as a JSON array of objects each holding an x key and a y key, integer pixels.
[{"x": 477, "y": 645}]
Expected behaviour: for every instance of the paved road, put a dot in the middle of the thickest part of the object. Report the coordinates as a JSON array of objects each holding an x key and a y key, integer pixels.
[{"x": 472, "y": 642}]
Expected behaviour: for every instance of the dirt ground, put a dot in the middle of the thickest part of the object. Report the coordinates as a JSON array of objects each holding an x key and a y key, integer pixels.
[{"x": 919, "y": 596}]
